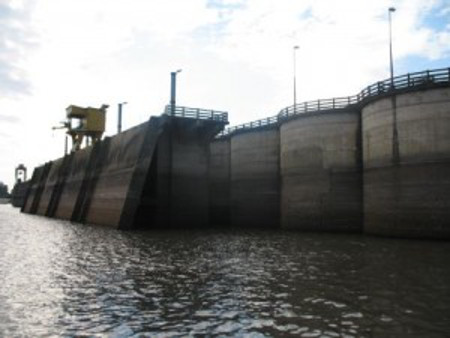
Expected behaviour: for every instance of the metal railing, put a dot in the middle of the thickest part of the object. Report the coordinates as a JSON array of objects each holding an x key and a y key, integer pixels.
[
  {"x": 196, "y": 113},
  {"x": 400, "y": 83},
  {"x": 268, "y": 121}
]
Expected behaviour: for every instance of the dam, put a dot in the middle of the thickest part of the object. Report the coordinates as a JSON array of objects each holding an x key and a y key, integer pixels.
[{"x": 377, "y": 162}]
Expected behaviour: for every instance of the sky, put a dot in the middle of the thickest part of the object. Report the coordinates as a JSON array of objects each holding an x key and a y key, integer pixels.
[{"x": 235, "y": 55}]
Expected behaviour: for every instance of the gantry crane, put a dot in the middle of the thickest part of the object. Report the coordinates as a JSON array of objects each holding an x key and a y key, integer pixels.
[{"x": 90, "y": 124}]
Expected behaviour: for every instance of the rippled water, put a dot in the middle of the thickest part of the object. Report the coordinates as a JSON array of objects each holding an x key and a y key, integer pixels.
[{"x": 58, "y": 278}]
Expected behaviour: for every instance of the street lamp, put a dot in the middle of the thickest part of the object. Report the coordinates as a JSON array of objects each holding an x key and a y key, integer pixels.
[
  {"x": 173, "y": 90},
  {"x": 119, "y": 118},
  {"x": 295, "y": 78},
  {"x": 391, "y": 10}
]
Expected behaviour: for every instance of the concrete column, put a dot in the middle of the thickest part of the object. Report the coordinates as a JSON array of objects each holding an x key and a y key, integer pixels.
[
  {"x": 255, "y": 195},
  {"x": 409, "y": 197},
  {"x": 219, "y": 181},
  {"x": 321, "y": 172}
]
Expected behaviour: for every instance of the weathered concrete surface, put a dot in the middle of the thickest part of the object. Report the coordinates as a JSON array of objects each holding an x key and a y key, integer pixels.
[
  {"x": 407, "y": 177},
  {"x": 143, "y": 165},
  {"x": 189, "y": 173},
  {"x": 18, "y": 194},
  {"x": 111, "y": 182},
  {"x": 176, "y": 191},
  {"x": 321, "y": 172},
  {"x": 73, "y": 180},
  {"x": 101, "y": 184},
  {"x": 153, "y": 175},
  {"x": 117, "y": 181},
  {"x": 49, "y": 187},
  {"x": 37, "y": 185},
  {"x": 255, "y": 180},
  {"x": 219, "y": 181}
]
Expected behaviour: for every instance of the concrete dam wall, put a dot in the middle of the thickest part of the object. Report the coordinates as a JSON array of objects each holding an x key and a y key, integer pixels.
[
  {"x": 254, "y": 178},
  {"x": 152, "y": 175},
  {"x": 219, "y": 182},
  {"x": 321, "y": 171},
  {"x": 377, "y": 162},
  {"x": 406, "y": 142},
  {"x": 18, "y": 194}
]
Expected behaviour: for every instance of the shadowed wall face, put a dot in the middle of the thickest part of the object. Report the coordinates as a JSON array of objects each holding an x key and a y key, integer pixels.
[
  {"x": 407, "y": 195},
  {"x": 219, "y": 181},
  {"x": 176, "y": 190},
  {"x": 18, "y": 194},
  {"x": 255, "y": 179},
  {"x": 189, "y": 175},
  {"x": 50, "y": 184},
  {"x": 320, "y": 170},
  {"x": 115, "y": 174},
  {"x": 72, "y": 184},
  {"x": 37, "y": 184}
]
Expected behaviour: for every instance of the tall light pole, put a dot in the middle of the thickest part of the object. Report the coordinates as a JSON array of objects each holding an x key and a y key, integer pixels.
[
  {"x": 390, "y": 11},
  {"x": 173, "y": 91},
  {"x": 119, "y": 117},
  {"x": 295, "y": 77}
]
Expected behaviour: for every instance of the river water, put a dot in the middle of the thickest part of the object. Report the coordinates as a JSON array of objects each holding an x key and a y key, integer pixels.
[{"x": 63, "y": 279}]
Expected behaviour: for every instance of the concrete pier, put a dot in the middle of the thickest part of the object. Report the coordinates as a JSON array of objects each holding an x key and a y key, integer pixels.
[
  {"x": 176, "y": 190},
  {"x": 219, "y": 181},
  {"x": 49, "y": 187},
  {"x": 152, "y": 175},
  {"x": 406, "y": 142},
  {"x": 35, "y": 189},
  {"x": 18, "y": 194},
  {"x": 255, "y": 178},
  {"x": 321, "y": 171},
  {"x": 377, "y": 162},
  {"x": 72, "y": 183}
]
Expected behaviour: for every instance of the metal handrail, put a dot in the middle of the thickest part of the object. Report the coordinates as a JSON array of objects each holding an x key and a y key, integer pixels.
[
  {"x": 196, "y": 113},
  {"x": 398, "y": 83},
  {"x": 268, "y": 121}
]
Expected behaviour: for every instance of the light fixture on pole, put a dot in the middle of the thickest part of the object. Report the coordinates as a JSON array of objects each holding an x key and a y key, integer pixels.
[
  {"x": 390, "y": 11},
  {"x": 173, "y": 90},
  {"x": 295, "y": 78},
  {"x": 119, "y": 118}
]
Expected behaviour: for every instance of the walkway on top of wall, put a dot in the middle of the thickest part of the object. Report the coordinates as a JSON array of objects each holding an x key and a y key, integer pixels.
[
  {"x": 399, "y": 84},
  {"x": 196, "y": 113}
]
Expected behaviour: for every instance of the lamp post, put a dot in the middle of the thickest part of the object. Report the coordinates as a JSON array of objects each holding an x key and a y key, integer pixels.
[
  {"x": 173, "y": 91},
  {"x": 295, "y": 78},
  {"x": 390, "y": 11},
  {"x": 119, "y": 118}
]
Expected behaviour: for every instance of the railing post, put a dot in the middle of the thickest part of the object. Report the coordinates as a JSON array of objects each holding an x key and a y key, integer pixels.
[
  {"x": 318, "y": 104},
  {"x": 334, "y": 103},
  {"x": 198, "y": 113},
  {"x": 409, "y": 80},
  {"x": 306, "y": 107},
  {"x": 348, "y": 99}
]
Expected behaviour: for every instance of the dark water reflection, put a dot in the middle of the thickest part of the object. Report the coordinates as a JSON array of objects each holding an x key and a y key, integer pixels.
[{"x": 58, "y": 278}]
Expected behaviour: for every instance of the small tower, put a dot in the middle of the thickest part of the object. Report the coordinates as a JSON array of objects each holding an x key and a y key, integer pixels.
[{"x": 21, "y": 173}]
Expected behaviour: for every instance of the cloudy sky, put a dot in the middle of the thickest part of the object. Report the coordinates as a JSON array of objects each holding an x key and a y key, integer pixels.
[{"x": 236, "y": 55}]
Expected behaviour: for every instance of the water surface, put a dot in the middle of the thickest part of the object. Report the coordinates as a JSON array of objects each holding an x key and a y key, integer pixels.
[{"x": 63, "y": 279}]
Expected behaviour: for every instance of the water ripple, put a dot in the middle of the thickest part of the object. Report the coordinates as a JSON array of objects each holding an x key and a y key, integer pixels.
[{"x": 63, "y": 279}]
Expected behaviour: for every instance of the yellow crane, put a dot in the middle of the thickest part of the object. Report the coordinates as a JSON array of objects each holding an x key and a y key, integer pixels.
[{"x": 84, "y": 122}]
